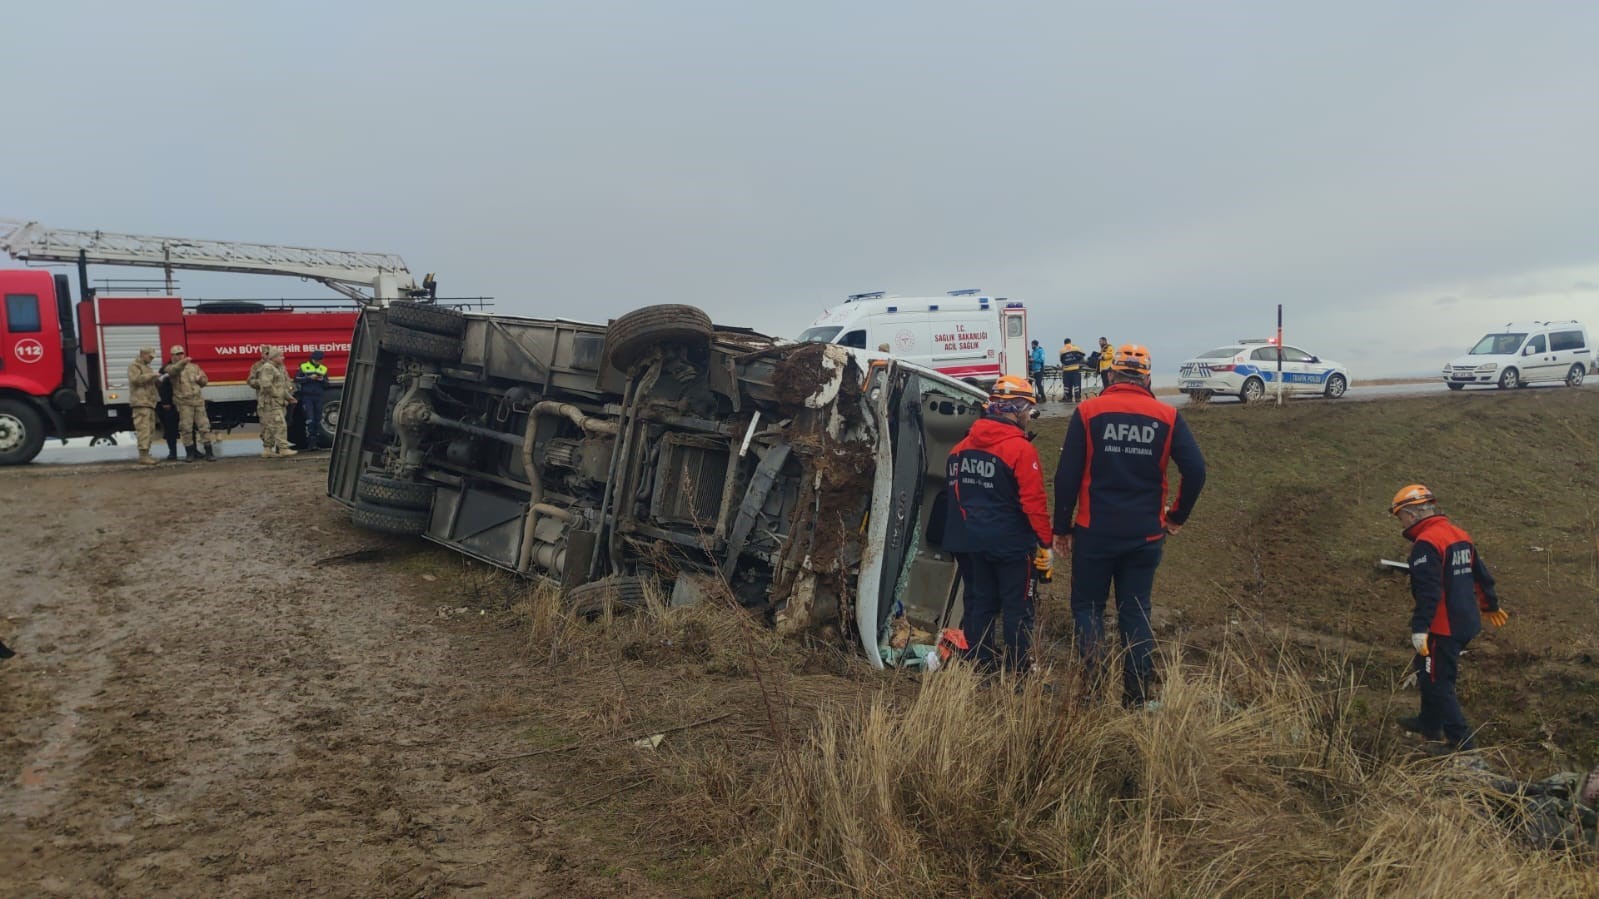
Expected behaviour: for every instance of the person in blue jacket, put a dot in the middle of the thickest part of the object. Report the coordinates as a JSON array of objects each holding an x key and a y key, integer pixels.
[{"x": 1035, "y": 370}]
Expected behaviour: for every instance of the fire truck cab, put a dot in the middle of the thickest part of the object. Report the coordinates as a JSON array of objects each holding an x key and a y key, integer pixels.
[{"x": 64, "y": 365}]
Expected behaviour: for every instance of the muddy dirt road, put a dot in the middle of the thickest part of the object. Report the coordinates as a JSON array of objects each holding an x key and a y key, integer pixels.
[{"x": 197, "y": 709}]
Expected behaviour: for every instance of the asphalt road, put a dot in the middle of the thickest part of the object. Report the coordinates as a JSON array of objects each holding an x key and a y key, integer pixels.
[
  {"x": 1355, "y": 394},
  {"x": 79, "y": 452}
]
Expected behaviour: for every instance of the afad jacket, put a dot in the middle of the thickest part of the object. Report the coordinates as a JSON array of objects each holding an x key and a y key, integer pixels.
[
  {"x": 1448, "y": 579},
  {"x": 1111, "y": 480},
  {"x": 996, "y": 493}
]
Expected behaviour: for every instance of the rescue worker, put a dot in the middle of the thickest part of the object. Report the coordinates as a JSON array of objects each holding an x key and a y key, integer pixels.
[
  {"x": 312, "y": 380},
  {"x": 1454, "y": 592},
  {"x": 194, "y": 425},
  {"x": 144, "y": 391},
  {"x": 1035, "y": 369},
  {"x": 167, "y": 411},
  {"x": 1110, "y": 514},
  {"x": 1103, "y": 361},
  {"x": 274, "y": 392},
  {"x": 997, "y": 524},
  {"x": 1071, "y": 372}
]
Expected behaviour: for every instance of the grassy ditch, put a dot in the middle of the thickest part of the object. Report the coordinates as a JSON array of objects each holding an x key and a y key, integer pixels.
[
  {"x": 1272, "y": 769},
  {"x": 1294, "y": 518}
]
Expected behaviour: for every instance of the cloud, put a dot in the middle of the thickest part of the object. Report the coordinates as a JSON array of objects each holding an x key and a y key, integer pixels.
[{"x": 1169, "y": 174}]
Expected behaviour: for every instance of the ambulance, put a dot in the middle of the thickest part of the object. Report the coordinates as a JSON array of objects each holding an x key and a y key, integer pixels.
[{"x": 964, "y": 334}]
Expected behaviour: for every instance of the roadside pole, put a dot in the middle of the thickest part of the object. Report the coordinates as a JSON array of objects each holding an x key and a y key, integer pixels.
[{"x": 1279, "y": 354}]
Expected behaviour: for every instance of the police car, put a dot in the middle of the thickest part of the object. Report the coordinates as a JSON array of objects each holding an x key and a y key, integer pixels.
[{"x": 1248, "y": 370}]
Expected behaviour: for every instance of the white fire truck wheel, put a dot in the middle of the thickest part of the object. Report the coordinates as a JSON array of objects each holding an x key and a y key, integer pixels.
[{"x": 21, "y": 432}]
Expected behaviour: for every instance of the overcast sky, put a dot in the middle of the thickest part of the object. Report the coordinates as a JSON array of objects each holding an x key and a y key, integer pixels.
[{"x": 1401, "y": 176}]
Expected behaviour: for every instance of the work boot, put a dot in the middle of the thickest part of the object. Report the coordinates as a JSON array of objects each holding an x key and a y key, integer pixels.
[
  {"x": 286, "y": 451},
  {"x": 1414, "y": 725},
  {"x": 210, "y": 452},
  {"x": 145, "y": 458},
  {"x": 189, "y": 453},
  {"x": 268, "y": 452},
  {"x": 172, "y": 452}
]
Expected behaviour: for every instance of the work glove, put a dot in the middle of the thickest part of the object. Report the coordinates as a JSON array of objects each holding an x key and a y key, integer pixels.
[
  {"x": 1497, "y": 617},
  {"x": 1420, "y": 642},
  {"x": 1044, "y": 564}
]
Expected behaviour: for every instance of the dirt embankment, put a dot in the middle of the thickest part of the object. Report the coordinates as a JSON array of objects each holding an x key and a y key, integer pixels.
[{"x": 199, "y": 709}]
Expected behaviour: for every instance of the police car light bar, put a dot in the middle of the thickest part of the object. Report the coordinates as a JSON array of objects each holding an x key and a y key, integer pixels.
[
  {"x": 873, "y": 295},
  {"x": 968, "y": 292}
]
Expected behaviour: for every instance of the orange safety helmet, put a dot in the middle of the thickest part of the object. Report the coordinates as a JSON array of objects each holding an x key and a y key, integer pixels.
[
  {"x": 1010, "y": 387},
  {"x": 1131, "y": 358},
  {"x": 1410, "y": 495}
]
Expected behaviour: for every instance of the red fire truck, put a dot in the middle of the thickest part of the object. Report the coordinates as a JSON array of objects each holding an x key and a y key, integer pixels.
[{"x": 64, "y": 364}]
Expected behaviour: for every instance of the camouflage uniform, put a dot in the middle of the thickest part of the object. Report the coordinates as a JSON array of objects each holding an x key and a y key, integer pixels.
[
  {"x": 274, "y": 391},
  {"x": 143, "y": 392},
  {"x": 255, "y": 369},
  {"x": 188, "y": 380}
]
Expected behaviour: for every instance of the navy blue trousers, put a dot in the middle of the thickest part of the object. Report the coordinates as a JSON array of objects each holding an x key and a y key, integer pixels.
[
  {"x": 997, "y": 587},
  {"x": 1071, "y": 383},
  {"x": 1132, "y": 571},
  {"x": 1435, "y": 676},
  {"x": 312, "y": 407}
]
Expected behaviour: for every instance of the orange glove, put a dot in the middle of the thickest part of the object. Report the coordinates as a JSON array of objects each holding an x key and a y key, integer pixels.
[
  {"x": 1497, "y": 617},
  {"x": 1420, "y": 642}
]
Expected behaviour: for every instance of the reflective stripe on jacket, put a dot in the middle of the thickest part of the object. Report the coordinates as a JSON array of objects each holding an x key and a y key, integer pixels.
[
  {"x": 1112, "y": 471},
  {"x": 1448, "y": 580}
]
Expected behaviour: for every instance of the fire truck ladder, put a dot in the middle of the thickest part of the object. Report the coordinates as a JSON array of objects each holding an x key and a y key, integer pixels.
[{"x": 367, "y": 278}]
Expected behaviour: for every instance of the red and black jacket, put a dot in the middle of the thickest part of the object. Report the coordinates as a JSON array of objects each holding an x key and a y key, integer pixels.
[
  {"x": 1448, "y": 579},
  {"x": 1112, "y": 471},
  {"x": 996, "y": 492}
]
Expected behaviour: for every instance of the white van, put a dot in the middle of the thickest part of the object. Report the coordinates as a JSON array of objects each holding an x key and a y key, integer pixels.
[
  {"x": 1522, "y": 354},
  {"x": 964, "y": 335}
]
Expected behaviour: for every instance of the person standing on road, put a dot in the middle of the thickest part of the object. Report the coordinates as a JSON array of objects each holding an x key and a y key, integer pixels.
[
  {"x": 144, "y": 391},
  {"x": 312, "y": 380},
  {"x": 1035, "y": 369},
  {"x": 274, "y": 392},
  {"x": 1102, "y": 362},
  {"x": 1454, "y": 592},
  {"x": 1071, "y": 372},
  {"x": 998, "y": 524},
  {"x": 194, "y": 425},
  {"x": 1111, "y": 517}
]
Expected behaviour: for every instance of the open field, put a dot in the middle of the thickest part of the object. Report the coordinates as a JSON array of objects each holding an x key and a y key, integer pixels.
[{"x": 224, "y": 689}]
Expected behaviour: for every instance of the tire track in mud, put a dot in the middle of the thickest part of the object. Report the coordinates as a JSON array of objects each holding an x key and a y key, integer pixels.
[{"x": 202, "y": 712}]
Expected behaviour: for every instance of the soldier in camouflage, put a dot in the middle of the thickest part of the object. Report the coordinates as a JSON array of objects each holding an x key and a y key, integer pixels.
[
  {"x": 143, "y": 392},
  {"x": 194, "y": 425},
  {"x": 273, "y": 393},
  {"x": 255, "y": 368}
]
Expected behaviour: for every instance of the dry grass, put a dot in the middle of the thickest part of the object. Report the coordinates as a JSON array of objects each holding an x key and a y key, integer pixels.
[{"x": 1245, "y": 783}]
